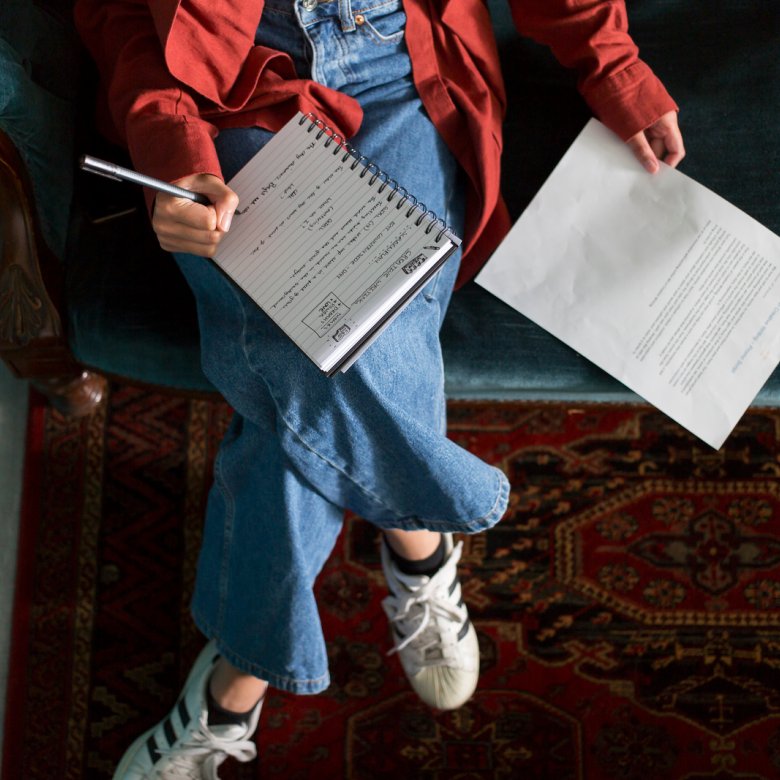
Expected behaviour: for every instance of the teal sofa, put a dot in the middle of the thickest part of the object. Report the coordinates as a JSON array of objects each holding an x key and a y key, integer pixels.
[{"x": 85, "y": 291}]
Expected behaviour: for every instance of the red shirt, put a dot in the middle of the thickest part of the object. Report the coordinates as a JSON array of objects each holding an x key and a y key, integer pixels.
[{"x": 176, "y": 71}]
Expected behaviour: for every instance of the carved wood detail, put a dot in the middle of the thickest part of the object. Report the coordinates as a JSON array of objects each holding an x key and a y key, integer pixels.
[
  {"x": 27, "y": 311},
  {"x": 21, "y": 309}
]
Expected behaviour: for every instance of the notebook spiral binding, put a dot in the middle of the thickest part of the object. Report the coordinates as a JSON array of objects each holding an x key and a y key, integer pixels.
[{"x": 376, "y": 174}]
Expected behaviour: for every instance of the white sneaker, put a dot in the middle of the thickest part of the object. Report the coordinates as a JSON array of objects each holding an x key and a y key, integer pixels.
[
  {"x": 433, "y": 635},
  {"x": 183, "y": 745}
]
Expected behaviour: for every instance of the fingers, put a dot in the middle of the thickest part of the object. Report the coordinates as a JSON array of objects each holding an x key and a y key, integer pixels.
[
  {"x": 659, "y": 147},
  {"x": 643, "y": 152},
  {"x": 675, "y": 151},
  {"x": 182, "y": 225},
  {"x": 660, "y": 141},
  {"x": 182, "y": 238},
  {"x": 668, "y": 131}
]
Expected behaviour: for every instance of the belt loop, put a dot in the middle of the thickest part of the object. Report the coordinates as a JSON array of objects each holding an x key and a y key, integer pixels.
[{"x": 345, "y": 14}]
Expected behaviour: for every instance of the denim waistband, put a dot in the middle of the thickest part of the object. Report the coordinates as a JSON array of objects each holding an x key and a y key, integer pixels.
[{"x": 313, "y": 11}]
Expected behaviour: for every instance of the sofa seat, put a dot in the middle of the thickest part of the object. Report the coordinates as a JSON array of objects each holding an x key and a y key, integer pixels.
[{"x": 136, "y": 316}]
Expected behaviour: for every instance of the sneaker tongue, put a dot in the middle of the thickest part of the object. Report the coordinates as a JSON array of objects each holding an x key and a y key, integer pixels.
[
  {"x": 228, "y": 731},
  {"x": 412, "y": 581}
]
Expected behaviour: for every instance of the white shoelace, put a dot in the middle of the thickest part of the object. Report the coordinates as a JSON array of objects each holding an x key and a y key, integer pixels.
[
  {"x": 427, "y": 604},
  {"x": 199, "y": 758}
]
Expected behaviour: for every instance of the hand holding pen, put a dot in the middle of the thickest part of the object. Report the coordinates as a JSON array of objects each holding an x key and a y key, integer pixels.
[{"x": 190, "y": 216}]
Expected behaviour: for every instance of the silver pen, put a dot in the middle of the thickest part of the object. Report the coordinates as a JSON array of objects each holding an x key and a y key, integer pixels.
[{"x": 117, "y": 172}]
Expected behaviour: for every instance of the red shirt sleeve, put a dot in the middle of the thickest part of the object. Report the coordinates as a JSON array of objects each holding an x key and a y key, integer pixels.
[
  {"x": 591, "y": 36},
  {"x": 145, "y": 107},
  {"x": 166, "y": 95}
]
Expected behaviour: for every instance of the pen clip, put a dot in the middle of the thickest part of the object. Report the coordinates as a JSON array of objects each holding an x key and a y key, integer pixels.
[
  {"x": 103, "y": 173},
  {"x": 87, "y": 164}
]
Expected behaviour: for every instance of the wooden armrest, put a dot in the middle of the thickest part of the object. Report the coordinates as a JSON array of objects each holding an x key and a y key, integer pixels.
[
  {"x": 32, "y": 338},
  {"x": 27, "y": 310}
]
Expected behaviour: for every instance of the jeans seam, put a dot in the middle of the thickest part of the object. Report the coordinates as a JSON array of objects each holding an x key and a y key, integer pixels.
[
  {"x": 344, "y": 65},
  {"x": 227, "y": 538},
  {"x": 378, "y": 38},
  {"x": 366, "y": 9}
]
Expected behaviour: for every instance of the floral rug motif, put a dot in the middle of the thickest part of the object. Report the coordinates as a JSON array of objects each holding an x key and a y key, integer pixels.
[{"x": 628, "y": 605}]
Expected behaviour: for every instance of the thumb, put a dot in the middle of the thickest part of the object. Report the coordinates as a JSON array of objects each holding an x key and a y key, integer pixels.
[{"x": 222, "y": 198}]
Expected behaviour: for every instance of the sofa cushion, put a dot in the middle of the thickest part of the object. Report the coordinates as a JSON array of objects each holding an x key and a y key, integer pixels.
[
  {"x": 130, "y": 311},
  {"x": 491, "y": 351}
]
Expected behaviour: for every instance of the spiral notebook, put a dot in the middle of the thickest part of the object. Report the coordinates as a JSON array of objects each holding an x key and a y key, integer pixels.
[{"x": 327, "y": 244}]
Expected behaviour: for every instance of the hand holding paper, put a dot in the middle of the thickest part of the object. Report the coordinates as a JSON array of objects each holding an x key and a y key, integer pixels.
[{"x": 661, "y": 141}]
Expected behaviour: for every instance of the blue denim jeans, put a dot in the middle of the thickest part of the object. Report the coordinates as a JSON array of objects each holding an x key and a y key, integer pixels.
[{"x": 302, "y": 447}]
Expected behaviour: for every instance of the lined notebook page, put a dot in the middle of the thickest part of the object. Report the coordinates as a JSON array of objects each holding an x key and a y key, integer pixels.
[{"x": 320, "y": 248}]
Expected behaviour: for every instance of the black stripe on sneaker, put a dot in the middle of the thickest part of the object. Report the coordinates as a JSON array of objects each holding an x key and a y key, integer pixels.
[
  {"x": 184, "y": 715},
  {"x": 464, "y": 630},
  {"x": 170, "y": 734},
  {"x": 154, "y": 752},
  {"x": 453, "y": 586}
]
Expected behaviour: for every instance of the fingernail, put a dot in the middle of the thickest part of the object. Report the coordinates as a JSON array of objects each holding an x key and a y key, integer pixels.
[{"x": 227, "y": 218}]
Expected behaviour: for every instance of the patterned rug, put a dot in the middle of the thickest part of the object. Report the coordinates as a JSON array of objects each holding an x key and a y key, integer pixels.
[{"x": 628, "y": 606}]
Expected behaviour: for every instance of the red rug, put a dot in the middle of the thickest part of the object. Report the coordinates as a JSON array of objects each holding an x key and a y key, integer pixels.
[{"x": 628, "y": 606}]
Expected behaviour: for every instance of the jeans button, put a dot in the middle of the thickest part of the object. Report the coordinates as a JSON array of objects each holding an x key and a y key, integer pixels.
[{"x": 309, "y": 5}]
